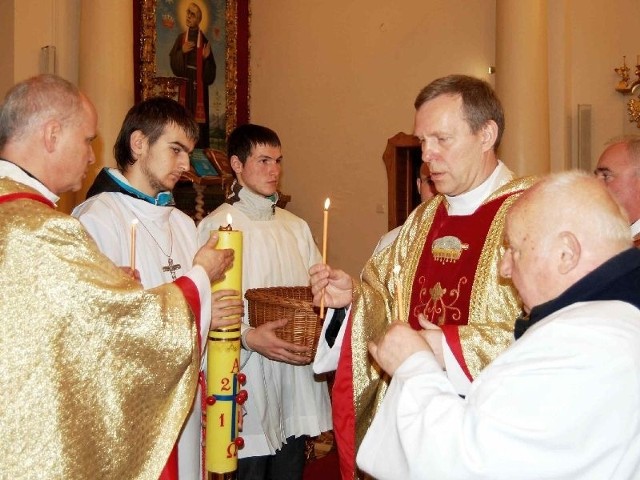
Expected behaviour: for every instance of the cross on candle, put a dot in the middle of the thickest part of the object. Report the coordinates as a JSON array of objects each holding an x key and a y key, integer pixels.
[{"x": 325, "y": 224}]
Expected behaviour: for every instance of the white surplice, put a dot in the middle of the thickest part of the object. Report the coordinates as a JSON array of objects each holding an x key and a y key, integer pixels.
[{"x": 561, "y": 403}]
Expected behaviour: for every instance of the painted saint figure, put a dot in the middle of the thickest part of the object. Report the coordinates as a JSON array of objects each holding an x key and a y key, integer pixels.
[{"x": 192, "y": 59}]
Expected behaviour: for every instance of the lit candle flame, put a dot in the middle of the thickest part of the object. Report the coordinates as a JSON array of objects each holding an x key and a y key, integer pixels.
[
  {"x": 229, "y": 219},
  {"x": 327, "y": 202},
  {"x": 399, "y": 294}
]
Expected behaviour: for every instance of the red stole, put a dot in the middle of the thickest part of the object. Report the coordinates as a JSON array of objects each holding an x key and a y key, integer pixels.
[
  {"x": 189, "y": 290},
  {"x": 446, "y": 271},
  {"x": 199, "y": 110}
]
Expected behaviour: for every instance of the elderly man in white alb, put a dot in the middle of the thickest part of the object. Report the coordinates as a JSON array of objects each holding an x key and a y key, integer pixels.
[{"x": 560, "y": 403}]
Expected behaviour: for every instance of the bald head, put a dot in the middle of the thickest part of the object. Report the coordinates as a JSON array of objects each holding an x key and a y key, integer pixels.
[
  {"x": 557, "y": 232},
  {"x": 46, "y": 127}
]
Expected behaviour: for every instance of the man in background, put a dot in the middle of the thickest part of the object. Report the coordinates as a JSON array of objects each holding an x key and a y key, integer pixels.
[
  {"x": 442, "y": 265},
  {"x": 98, "y": 374},
  {"x": 562, "y": 402},
  {"x": 287, "y": 403},
  {"x": 619, "y": 169},
  {"x": 191, "y": 58},
  {"x": 426, "y": 190},
  {"x": 151, "y": 152}
]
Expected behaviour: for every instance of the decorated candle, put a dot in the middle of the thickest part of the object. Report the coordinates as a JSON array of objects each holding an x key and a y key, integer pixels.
[{"x": 224, "y": 380}]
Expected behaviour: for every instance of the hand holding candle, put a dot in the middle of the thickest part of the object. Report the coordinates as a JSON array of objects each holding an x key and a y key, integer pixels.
[
  {"x": 229, "y": 238},
  {"x": 325, "y": 225}
]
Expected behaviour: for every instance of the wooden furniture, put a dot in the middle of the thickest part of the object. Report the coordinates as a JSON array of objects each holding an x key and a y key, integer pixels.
[
  {"x": 197, "y": 196},
  {"x": 403, "y": 158}
]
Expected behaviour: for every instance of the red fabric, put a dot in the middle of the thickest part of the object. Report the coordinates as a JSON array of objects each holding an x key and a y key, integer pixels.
[
  {"x": 170, "y": 471},
  {"x": 192, "y": 296},
  {"x": 199, "y": 113},
  {"x": 9, "y": 197},
  {"x": 324, "y": 468},
  {"x": 448, "y": 305},
  {"x": 344, "y": 426},
  {"x": 452, "y": 337}
]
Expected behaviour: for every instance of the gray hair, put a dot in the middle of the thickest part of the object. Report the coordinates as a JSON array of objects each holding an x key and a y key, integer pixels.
[
  {"x": 35, "y": 101},
  {"x": 480, "y": 103}
]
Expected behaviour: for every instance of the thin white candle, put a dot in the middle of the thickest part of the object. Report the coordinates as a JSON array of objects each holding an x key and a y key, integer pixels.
[
  {"x": 325, "y": 225},
  {"x": 399, "y": 293},
  {"x": 132, "y": 252}
]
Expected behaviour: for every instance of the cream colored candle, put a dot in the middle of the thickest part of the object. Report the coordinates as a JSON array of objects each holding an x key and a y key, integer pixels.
[
  {"x": 132, "y": 246},
  {"x": 325, "y": 228}
]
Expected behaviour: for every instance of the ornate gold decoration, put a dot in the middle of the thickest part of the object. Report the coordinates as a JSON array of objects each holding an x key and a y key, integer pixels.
[
  {"x": 626, "y": 88},
  {"x": 623, "y": 71},
  {"x": 437, "y": 309},
  {"x": 151, "y": 85},
  {"x": 448, "y": 249},
  {"x": 633, "y": 107}
]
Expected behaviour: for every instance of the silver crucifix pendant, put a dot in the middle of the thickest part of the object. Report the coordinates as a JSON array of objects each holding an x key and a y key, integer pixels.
[{"x": 171, "y": 268}]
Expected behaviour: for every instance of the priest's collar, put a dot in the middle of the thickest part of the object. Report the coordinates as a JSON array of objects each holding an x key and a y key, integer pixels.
[
  {"x": 635, "y": 228},
  {"x": 467, "y": 203},
  {"x": 616, "y": 279},
  {"x": 19, "y": 174},
  {"x": 111, "y": 180}
]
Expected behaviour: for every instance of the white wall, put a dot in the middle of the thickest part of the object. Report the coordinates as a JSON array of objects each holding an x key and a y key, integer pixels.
[{"x": 598, "y": 38}]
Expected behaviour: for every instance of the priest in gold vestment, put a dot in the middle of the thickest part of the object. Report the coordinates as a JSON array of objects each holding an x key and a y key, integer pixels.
[
  {"x": 441, "y": 273},
  {"x": 98, "y": 374}
]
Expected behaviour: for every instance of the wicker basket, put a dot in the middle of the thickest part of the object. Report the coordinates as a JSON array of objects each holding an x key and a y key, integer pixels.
[{"x": 292, "y": 303}]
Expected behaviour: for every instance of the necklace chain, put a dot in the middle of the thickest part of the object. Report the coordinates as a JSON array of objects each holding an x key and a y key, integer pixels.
[
  {"x": 154, "y": 238},
  {"x": 170, "y": 267}
]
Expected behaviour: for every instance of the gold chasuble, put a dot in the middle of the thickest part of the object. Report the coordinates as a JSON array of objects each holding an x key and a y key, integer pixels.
[
  {"x": 448, "y": 270},
  {"x": 98, "y": 374}
]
